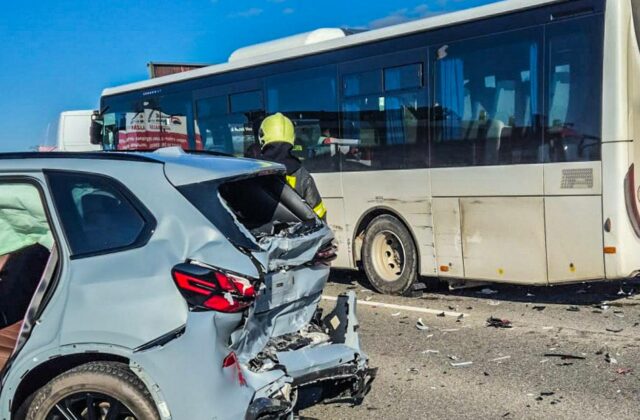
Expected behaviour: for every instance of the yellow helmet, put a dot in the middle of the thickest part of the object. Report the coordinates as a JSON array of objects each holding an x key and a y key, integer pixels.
[{"x": 276, "y": 128}]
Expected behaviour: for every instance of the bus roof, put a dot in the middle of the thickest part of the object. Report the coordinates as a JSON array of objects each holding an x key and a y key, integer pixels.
[{"x": 492, "y": 9}]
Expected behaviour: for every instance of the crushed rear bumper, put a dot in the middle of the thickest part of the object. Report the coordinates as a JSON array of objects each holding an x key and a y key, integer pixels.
[{"x": 336, "y": 371}]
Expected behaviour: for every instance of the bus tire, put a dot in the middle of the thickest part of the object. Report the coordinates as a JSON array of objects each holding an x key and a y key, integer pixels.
[
  {"x": 97, "y": 386},
  {"x": 389, "y": 256}
]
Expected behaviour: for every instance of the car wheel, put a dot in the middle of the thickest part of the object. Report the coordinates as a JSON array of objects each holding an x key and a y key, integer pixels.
[
  {"x": 97, "y": 390},
  {"x": 389, "y": 256}
]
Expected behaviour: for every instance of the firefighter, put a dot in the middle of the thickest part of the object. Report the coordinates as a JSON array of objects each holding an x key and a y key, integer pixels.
[{"x": 277, "y": 137}]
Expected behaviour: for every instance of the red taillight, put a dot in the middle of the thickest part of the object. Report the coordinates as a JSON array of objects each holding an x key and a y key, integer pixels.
[
  {"x": 208, "y": 288},
  {"x": 326, "y": 255}
]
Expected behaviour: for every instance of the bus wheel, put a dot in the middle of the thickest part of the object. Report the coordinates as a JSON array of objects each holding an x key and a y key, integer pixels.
[{"x": 389, "y": 256}]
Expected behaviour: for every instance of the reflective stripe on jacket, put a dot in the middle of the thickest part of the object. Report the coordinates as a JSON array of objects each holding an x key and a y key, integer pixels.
[{"x": 302, "y": 182}]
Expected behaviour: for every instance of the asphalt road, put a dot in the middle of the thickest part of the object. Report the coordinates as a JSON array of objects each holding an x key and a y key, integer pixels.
[{"x": 516, "y": 373}]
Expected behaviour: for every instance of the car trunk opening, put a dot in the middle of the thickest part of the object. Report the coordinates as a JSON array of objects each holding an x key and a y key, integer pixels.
[{"x": 282, "y": 328}]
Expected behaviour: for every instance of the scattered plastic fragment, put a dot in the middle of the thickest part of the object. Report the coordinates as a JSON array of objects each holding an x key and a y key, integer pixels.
[
  {"x": 498, "y": 323},
  {"x": 538, "y": 308},
  {"x": 624, "y": 371},
  {"x": 413, "y": 370},
  {"x": 368, "y": 298},
  {"x": 396, "y": 314},
  {"x": 615, "y": 330},
  {"x": 573, "y": 309},
  {"x": 493, "y": 303},
  {"x": 421, "y": 326},
  {"x": 460, "y": 364},
  {"x": 431, "y": 352},
  {"x": 487, "y": 291},
  {"x": 446, "y": 330},
  {"x": 564, "y": 356},
  {"x": 452, "y": 357},
  {"x": 610, "y": 359},
  {"x": 441, "y": 315},
  {"x": 498, "y": 359},
  {"x": 548, "y": 328},
  {"x": 529, "y": 294}
]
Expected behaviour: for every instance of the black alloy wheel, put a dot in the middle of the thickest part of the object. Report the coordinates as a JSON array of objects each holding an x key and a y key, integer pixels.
[{"x": 90, "y": 406}]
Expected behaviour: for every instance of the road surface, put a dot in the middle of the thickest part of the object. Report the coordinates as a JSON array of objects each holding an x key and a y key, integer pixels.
[{"x": 515, "y": 373}]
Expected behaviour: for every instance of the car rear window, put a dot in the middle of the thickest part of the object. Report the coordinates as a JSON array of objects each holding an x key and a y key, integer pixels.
[
  {"x": 98, "y": 214},
  {"x": 260, "y": 206}
]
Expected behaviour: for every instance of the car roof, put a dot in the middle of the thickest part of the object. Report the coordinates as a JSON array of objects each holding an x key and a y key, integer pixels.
[{"x": 180, "y": 167}]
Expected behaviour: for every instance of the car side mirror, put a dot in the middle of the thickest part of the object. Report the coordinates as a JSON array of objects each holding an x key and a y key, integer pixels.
[{"x": 95, "y": 132}]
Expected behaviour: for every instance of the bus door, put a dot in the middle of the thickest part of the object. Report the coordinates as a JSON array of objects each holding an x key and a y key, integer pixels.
[{"x": 228, "y": 118}]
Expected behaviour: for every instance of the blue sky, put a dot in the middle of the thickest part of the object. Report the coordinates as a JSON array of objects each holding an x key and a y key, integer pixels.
[{"x": 58, "y": 55}]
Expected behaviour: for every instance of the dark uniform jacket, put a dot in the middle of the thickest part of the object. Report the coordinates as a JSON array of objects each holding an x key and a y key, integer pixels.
[{"x": 297, "y": 176}]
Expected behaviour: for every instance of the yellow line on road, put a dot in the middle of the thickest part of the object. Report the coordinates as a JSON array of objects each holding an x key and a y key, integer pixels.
[{"x": 402, "y": 307}]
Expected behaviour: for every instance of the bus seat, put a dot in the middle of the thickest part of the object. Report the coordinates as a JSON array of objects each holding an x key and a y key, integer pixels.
[
  {"x": 505, "y": 101},
  {"x": 559, "y": 108},
  {"x": 493, "y": 141},
  {"x": 8, "y": 339}
]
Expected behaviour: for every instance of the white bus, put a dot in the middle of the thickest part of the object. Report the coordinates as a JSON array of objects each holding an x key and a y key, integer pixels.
[{"x": 493, "y": 144}]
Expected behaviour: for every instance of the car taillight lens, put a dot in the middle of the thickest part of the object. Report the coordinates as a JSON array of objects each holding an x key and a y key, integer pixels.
[
  {"x": 213, "y": 289},
  {"x": 326, "y": 254}
]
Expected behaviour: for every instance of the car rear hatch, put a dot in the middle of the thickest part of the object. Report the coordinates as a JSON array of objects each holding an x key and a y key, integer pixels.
[{"x": 291, "y": 249}]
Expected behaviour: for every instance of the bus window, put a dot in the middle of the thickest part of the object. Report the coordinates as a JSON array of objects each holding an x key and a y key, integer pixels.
[
  {"x": 229, "y": 123},
  {"x": 487, "y": 101},
  {"x": 574, "y": 91},
  {"x": 386, "y": 126},
  {"x": 309, "y": 99},
  {"x": 176, "y": 116}
]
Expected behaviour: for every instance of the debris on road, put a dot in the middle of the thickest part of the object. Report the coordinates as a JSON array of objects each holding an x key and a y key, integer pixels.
[
  {"x": 441, "y": 315},
  {"x": 564, "y": 356},
  {"x": 624, "y": 371},
  {"x": 493, "y": 303},
  {"x": 487, "y": 291},
  {"x": 446, "y": 330},
  {"x": 421, "y": 326},
  {"x": 573, "y": 309},
  {"x": 499, "y": 359},
  {"x": 498, "y": 323},
  {"x": 396, "y": 314},
  {"x": 538, "y": 308},
  {"x": 610, "y": 359},
  {"x": 431, "y": 352},
  {"x": 615, "y": 330},
  {"x": 413, "y": 370},
  {"x": 460, "y": 364}
]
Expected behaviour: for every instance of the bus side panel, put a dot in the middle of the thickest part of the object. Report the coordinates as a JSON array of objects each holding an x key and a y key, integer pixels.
[
  {"x": 503, "y": 239},
  {"x": 573, "y": 217},
  {"x": 574, "y": 238},
  {"x": 403, "y": 192},
  {"x": 501, "y": 222},
  {"x": 330, "y": 187},
  {"x": 448, "y": 237}
]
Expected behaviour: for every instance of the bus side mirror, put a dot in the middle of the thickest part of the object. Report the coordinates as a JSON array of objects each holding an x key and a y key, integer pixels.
[{"x": 95, "y": 132}]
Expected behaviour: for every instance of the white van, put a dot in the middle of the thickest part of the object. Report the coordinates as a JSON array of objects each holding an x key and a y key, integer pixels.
[{"x": 73, "y": 132}]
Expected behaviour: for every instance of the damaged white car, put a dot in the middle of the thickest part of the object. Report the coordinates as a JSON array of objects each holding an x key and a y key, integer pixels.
[{"x": 166, "y": 285}]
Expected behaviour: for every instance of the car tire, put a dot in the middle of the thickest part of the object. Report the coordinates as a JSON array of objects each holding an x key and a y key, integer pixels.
[
  {"x": 110, "y": 385},
  {"x": 389, "y": 256}
]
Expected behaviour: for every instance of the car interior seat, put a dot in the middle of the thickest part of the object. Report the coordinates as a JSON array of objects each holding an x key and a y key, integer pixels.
[{"x": 20, "y": 275}]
